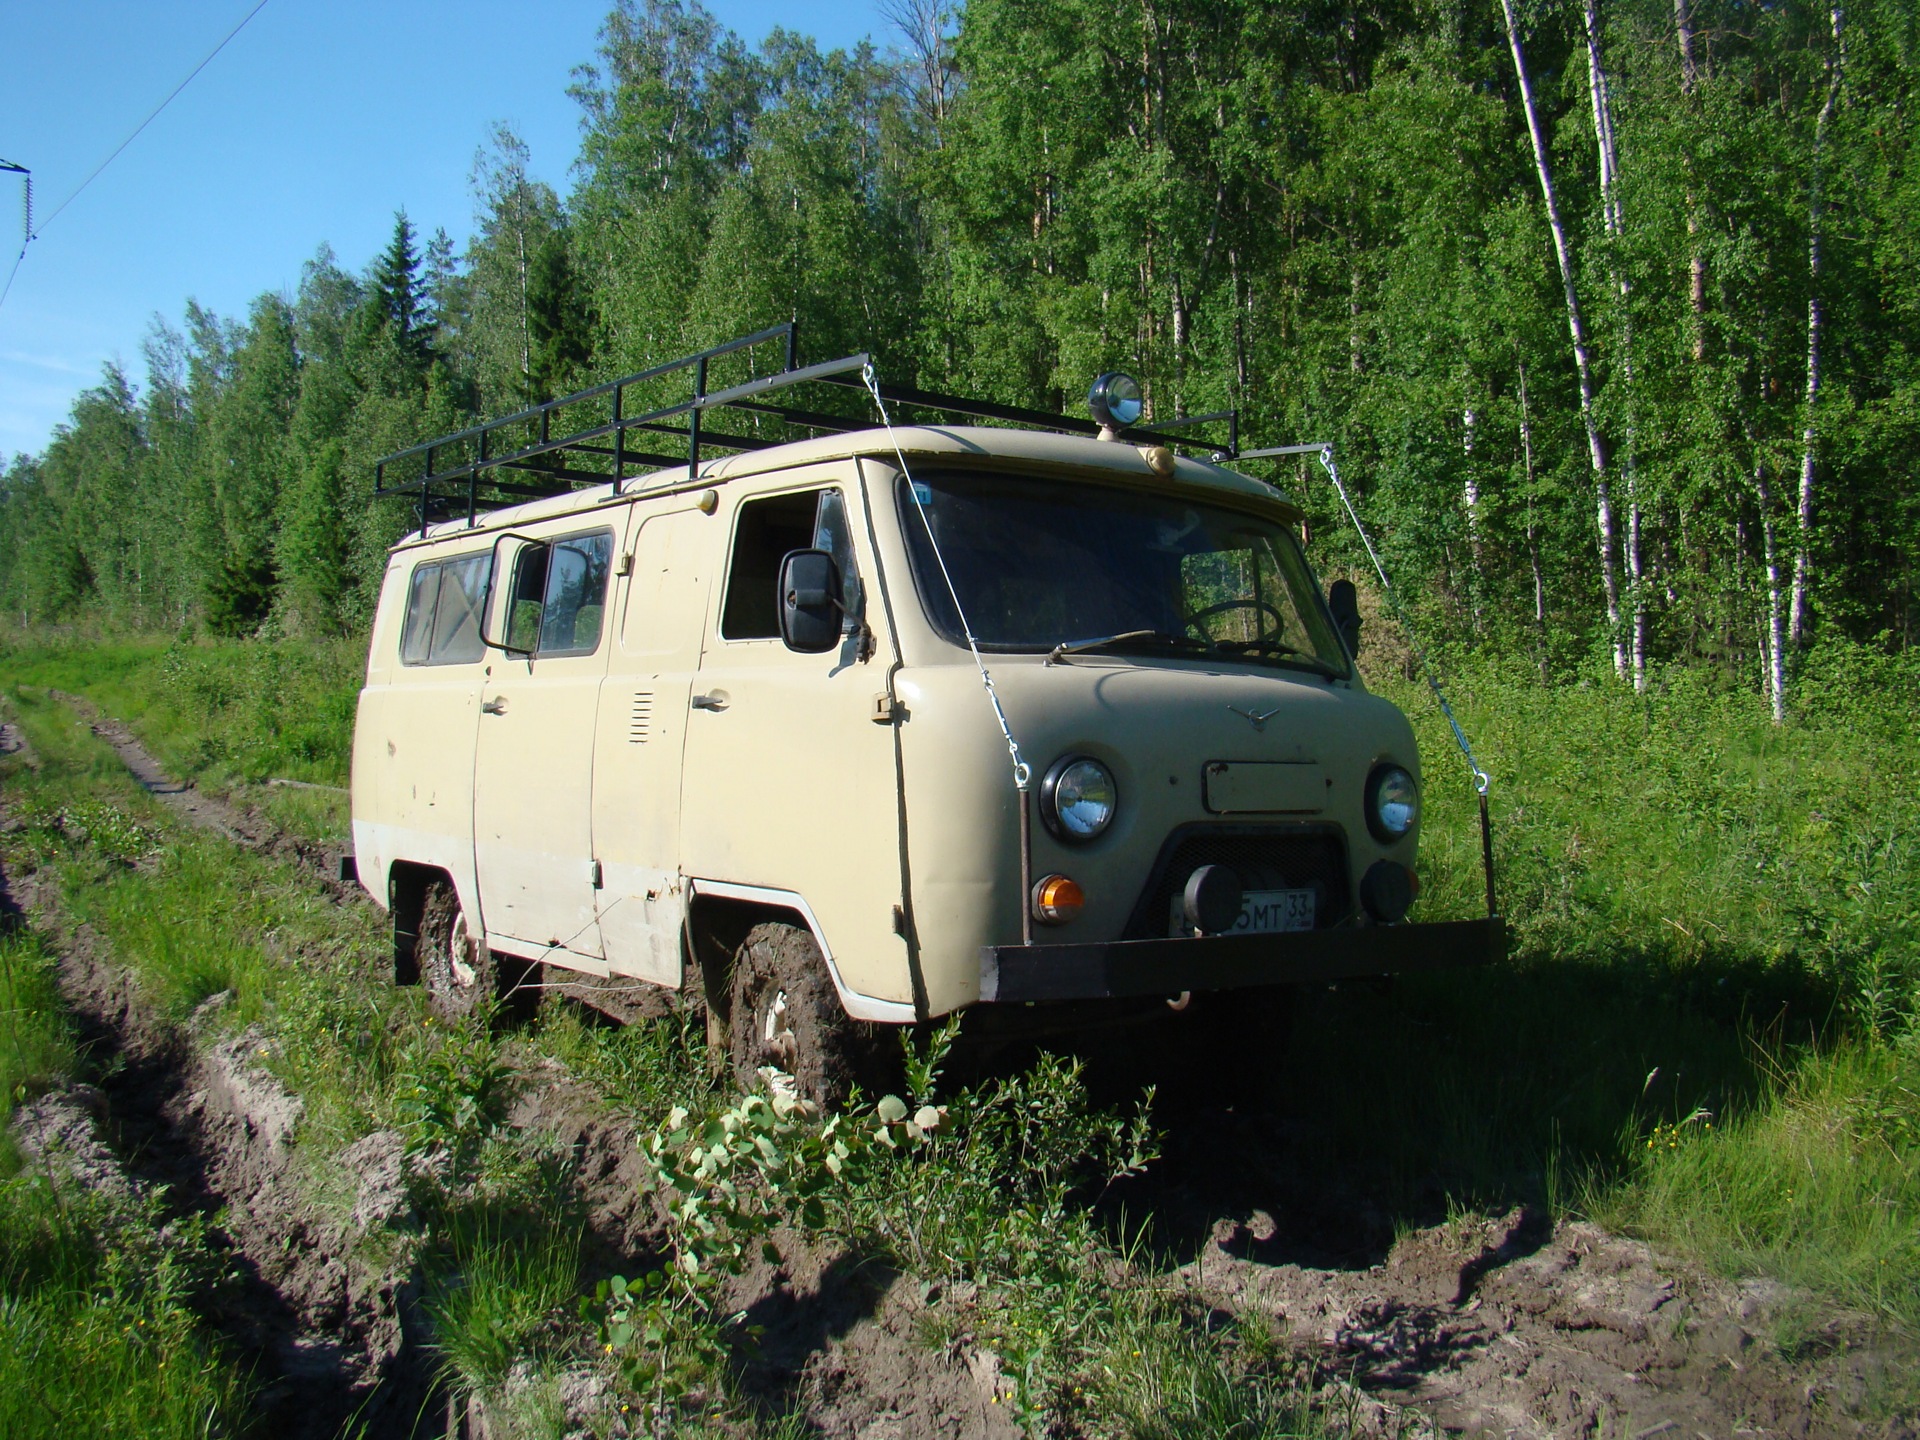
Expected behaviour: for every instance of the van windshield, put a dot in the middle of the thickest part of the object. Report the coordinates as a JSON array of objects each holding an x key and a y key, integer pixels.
[{"x": 1046, "y": 565}]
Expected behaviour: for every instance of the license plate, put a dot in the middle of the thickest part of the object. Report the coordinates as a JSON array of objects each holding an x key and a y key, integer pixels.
[{"x": 1262, "y": 912}]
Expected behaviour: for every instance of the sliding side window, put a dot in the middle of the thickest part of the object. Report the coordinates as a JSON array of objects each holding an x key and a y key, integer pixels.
[{"x": 560, "y": 595}]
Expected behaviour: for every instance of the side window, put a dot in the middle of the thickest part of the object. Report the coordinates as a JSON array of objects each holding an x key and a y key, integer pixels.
[
  {"x": 444, "y": 600},
  {"x": 422, "y": 590},
  {"x": 456, "y": 618},
  {"x": 529, "y": 597},
  {"x": 833, "y": 534},
  {"x": 576, "y": 595},
  {"x": 767, "y": 531},
  {"x": 560, "y": 595}
]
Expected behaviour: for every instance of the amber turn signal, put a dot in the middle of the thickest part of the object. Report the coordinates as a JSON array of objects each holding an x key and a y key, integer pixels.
[{"x": 1056, "y": 900}]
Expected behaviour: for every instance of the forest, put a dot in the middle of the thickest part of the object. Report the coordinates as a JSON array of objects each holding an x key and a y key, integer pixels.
[
  {"x": 1608, "y": 306},
  {"x": 1609, "y": 309}
]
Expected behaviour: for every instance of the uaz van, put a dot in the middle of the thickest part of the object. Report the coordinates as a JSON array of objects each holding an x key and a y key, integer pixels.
[{"x": 863, "y": 729}]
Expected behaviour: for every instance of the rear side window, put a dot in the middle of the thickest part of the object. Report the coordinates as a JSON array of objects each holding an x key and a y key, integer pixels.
[
  {"x": 560, "y": 595},
  {"x": 444, "y": 601}
]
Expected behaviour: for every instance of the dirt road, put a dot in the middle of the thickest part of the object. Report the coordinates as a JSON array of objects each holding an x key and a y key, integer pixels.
[{"x": 1499, "y": 1325}]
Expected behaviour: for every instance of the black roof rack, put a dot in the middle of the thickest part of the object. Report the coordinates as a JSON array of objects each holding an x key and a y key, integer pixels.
[{"x": 520, "y": 457}]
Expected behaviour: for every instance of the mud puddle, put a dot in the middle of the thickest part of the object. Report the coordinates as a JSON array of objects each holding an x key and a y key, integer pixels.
[
  {"x": 1485, "y": 1325},
  {"x": 1512, "y": 1325}
]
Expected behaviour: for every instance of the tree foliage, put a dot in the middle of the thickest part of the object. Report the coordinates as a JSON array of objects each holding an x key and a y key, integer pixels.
[{"x": 1329, "y": 218}]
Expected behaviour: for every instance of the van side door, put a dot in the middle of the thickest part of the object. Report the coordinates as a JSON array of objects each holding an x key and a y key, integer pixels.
[
  {"x": 533, "y": 761},
  {"x": 641, "y": 735}
]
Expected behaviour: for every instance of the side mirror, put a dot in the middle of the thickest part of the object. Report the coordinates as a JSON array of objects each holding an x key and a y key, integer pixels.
[
  {"x": 810, "y": 603},
  {"x": 1343, "y": 603}
]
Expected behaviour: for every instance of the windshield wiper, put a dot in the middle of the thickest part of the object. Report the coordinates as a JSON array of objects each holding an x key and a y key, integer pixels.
[
  {"x": 1128, "y": 637},
  {"x": 1281, "y": 653}
]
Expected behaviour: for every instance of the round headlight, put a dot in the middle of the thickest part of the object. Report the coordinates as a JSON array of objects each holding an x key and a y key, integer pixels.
[
  {"x": 1393, "y": 803},
  {"x": 1116, "y": 400},
  {"x": 1077, "y": 798}
]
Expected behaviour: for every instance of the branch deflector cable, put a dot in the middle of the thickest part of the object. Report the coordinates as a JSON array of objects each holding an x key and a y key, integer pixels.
[
  {"x": 1481, "y": 781},
  {"x": 31, "y": 233},
  {"x": 1022, "y": 772},
  {"x": 151, "y": 116}
]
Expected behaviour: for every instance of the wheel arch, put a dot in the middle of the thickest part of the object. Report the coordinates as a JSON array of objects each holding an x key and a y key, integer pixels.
[
  {"x": 407, "y": 882},
  {"x": 719, "y": 916}
]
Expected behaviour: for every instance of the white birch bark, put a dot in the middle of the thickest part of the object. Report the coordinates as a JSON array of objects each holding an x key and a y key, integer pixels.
[
  {"x": 1470, "y": 497},
  {"x": 1696, "y": 257},
  {"x": 1613, "y": 218},
  {"x": 1775, "y": 634},
  {"x": 1582, "y": 357},
  {"x": 1800, "y": 625}
]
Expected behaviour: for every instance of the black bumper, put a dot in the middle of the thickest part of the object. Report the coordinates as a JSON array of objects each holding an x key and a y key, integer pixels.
[{"x": 1011, "y": 974}]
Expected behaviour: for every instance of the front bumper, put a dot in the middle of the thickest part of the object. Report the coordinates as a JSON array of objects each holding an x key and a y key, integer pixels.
[{"x": 1015, "y": 974}]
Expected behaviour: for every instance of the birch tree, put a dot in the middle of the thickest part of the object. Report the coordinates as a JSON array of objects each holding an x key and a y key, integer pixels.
[
  {"x": 1582, "y": 351},
  {"x": 1613, "y": 222},
  {"x": 1800, "y": 625}
]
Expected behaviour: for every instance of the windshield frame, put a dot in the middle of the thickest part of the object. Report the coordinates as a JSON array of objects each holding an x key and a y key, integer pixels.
[{"x": 1325, "y": 656}]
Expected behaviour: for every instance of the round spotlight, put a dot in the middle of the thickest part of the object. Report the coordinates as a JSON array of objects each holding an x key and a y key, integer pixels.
[{"x": 1116, "y": 400}]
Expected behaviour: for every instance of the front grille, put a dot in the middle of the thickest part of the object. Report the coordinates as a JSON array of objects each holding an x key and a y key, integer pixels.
[{"x": 1265, "y": 857}]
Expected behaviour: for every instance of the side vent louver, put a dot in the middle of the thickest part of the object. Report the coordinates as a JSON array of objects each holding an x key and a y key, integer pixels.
[{"x": 642, "y": 722}]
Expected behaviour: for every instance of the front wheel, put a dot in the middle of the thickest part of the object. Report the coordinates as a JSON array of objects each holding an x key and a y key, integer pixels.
[{"x": 785, "y": 1017}]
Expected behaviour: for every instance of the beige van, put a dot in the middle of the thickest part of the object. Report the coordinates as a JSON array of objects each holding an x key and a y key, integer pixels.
[{"x": 875, "y": 726}]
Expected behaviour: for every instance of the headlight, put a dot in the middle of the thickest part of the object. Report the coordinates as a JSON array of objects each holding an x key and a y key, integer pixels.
[
  {"x": 1115, "y": 400},
  {"x": 1077, "y": 798},
  {"x": 1393, "y": 803}
]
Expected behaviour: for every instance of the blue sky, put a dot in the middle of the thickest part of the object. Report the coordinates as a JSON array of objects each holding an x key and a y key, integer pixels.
[{"x": 318, "y": 122}]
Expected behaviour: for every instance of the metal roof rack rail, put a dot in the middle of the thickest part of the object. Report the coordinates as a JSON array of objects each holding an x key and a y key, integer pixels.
[{"x": 520, "y": 457}]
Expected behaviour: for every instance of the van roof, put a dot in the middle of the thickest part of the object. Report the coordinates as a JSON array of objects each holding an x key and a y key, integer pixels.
[{"x": 987, "y": 446}]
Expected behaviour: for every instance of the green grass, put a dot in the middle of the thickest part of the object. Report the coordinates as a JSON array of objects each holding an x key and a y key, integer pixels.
[
  {"x": 225, "y": 712},
  {"x": 97, "y": 1330},
  {"x": 97, "y": 1336},
  {"x": 1706, "y": 1033},
  {"x": 1711, "y": 914}
]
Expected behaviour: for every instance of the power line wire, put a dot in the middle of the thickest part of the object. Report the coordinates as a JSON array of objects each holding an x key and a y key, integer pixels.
[{"x": 34, "y": 233}]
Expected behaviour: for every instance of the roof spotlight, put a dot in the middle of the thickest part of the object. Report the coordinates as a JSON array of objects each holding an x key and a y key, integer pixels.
[{"x": 1116, "y": 403}]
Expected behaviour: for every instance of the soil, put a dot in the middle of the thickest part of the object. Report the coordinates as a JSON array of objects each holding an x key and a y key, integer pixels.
[
  {"x": 1509, "y": 1325},
  {"x": 198, "y": 1126}
]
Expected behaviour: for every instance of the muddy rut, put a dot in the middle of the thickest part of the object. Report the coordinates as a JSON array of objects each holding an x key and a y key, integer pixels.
[{"x": 1511, "y": 1325}]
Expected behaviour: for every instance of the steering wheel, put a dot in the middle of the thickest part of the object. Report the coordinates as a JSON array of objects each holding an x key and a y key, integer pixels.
[{"x": 1260, "y": 606}]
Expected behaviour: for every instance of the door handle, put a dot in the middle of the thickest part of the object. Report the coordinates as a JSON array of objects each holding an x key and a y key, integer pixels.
[
  {"x": 495, "y": 706},
  {"x": 715, "y": 702}
]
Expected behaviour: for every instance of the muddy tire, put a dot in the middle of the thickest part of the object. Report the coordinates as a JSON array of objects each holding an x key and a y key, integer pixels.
[
  {"x": 461, "y": 973},
  {"x": 784, "y": 1013}
]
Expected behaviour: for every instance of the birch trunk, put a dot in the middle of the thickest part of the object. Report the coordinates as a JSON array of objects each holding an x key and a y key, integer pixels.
[
  {"x": 1803, "y": 532},
  {"x": 1582, "y": 358},
  {"x": 1696, "y": 259},
  {"x": 1774, "y": 637},
  {"x": 1533, "y": 540},
  {"x": 1470, "y": 497},
  {"x": 1613, "y": 218}
]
